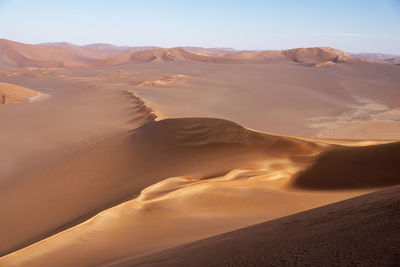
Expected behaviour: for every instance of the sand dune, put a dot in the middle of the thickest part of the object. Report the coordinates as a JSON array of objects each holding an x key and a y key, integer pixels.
[
  {"x": 262, "y": 168},
  {"x": 14, "y": 54},
  {"x": 11, "y": 93},
  {"x": 136, "y": 161},
  {"x": 318, "y": 54},
  {"x": 358, "y": 231},
  {"x": 304, "y": 55}
]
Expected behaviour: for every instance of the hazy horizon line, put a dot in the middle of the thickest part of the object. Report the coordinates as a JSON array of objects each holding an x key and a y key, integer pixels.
[{"x": 205, "y": 47}]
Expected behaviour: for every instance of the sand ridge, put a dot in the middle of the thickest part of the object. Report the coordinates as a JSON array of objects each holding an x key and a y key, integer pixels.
[{"x": 191, "y": 199}]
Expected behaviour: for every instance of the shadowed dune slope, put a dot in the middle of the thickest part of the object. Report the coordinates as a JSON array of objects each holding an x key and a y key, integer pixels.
[
  {"x": 359, "y": 231},
  {"x": 353, "y": 167}
]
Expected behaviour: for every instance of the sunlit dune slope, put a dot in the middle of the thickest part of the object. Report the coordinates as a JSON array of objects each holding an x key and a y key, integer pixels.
[
  {"x": 358, "y": 231},
  {"x": 117, "y": 170},
  {"x": 172, "y": 171},
  {"x": 11, "y": 93}
]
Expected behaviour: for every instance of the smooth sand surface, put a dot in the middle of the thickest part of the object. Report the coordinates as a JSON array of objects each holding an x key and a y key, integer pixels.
[
  {"x": 361, "y": 231},
  {"x": 114, "y": 166}
]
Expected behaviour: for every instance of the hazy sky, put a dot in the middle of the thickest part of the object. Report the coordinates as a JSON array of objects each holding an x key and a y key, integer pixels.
[{"x": 351, "y": 25}]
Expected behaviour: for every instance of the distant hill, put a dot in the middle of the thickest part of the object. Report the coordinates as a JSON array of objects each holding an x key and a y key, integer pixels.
[
  {"x": 63, "y": 54},
  {"x": 309, "y": 56}
]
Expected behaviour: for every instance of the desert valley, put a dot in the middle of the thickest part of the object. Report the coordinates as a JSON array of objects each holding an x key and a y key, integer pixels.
[{"x": 189, "y": 156}]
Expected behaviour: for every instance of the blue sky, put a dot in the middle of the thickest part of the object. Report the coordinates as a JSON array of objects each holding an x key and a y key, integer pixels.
[{"x": 352, "y": 25}]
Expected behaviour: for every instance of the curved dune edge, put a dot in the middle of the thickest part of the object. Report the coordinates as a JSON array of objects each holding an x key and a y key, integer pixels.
[
  {"x": 141, "y": 107},
  {"x": 175, "y": 210}
]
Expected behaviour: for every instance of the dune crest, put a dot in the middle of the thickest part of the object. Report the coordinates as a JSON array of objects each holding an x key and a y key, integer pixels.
[{"x": 258, "y": 186}]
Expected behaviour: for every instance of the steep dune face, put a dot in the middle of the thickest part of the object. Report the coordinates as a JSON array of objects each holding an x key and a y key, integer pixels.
[
  {"x": 11, "y": 93},
  {"x": 65, "y": 160},
  {"x": 353, "y": 167},
  {"x": 337, "y": 234}
]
